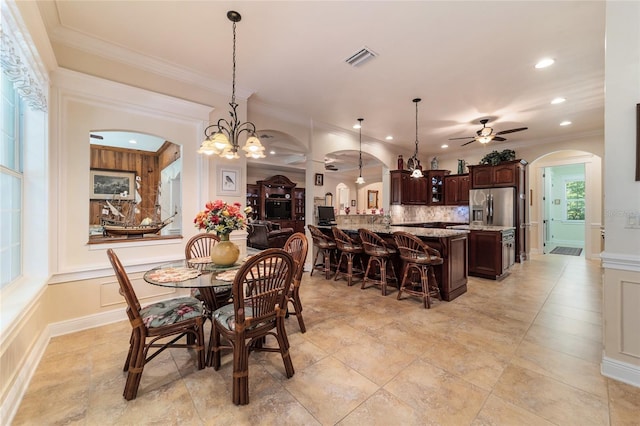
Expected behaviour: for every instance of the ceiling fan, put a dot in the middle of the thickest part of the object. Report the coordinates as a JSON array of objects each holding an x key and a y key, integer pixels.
[{"x": 486, "y": 135}]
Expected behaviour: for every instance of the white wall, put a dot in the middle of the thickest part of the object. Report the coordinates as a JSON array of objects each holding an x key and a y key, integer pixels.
[{"x": 621, "y": 258}]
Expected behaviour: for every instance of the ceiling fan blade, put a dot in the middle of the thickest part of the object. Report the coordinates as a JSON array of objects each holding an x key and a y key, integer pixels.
[
  {"x": 499, "y": 139},
  {"x": 471, "y": 141},
  {"x": 519, "y": 129},
  {"x": 91, "y": 135},
  {"x": 466, "y": 137}
]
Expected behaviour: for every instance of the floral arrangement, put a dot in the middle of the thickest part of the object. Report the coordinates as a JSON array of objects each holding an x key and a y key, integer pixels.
[
  {"x": 221, "y": 218},
  {"x": 347, "y": 210}
]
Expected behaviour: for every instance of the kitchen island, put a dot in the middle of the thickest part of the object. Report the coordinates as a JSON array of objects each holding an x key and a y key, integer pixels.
[
  {"x": 452, "y": 245},
  {"x": 492, "y": 250}
]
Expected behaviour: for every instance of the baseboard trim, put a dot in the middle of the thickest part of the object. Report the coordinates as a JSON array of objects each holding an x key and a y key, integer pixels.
[
  {"x": 621, "y": 371},
  {"x": 16, "y": 393},
  {"x": 83, "y": 323},
  {"x": 11, "y": 403}
]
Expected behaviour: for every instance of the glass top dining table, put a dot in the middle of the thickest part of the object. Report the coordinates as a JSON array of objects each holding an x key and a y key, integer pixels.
[{"x": 213, "y": 281}]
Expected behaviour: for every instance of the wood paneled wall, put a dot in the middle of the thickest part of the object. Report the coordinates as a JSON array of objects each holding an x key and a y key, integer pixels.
[{"x": 147, "y": 165}]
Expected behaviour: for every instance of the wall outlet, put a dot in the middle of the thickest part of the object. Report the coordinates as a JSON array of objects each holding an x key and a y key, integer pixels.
[{"x": 633, "y": 221}]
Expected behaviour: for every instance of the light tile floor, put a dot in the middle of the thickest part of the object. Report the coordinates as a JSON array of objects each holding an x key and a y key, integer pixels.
[{"x": 522, "y": 351}]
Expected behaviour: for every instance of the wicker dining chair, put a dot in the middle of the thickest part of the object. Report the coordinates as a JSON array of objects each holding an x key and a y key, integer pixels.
[
  {"x": 260, "y": 290},
  {"x": 326, "y": 247},
  {"x": 351, "y": 251},
  {"x": 297, "y": 245},
  {"x": 200, "y": 245},
  {"x": 380, "y": 253},
  {"x": 418, "y": 257},
  {"x": 174, "y": 318}
]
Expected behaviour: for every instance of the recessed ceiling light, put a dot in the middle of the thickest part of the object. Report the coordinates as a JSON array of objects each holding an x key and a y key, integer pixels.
[
  {"x": 546, "y": 62},
  {"x": 272, "y": 152},
  {"x": 565, "y": 123},
  {"x": 389, "y": 138},
  {"x": 444, "y": 146},
  {"x": 557, "y": 101},
  {"x": 132, "y": 141}
]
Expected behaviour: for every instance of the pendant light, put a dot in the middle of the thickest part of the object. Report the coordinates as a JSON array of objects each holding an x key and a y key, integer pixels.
[
  {"x": 413, "y": 163},
  {"x": 360, "y": 180},
  {"x": 222, "y": 138}
]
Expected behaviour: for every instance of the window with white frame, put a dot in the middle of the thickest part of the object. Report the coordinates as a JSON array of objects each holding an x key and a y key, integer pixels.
[
  {"x": 574, "y": 191},
  {"x": 11, "y": 183}
]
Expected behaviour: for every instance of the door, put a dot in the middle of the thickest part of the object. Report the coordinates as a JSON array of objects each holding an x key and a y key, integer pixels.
[{"x": 564, "y": 221}]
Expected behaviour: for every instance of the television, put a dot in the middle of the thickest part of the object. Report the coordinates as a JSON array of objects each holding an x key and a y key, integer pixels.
[
  {"x": 326, "y": 215},
  {"x": 277, "y": 209}
]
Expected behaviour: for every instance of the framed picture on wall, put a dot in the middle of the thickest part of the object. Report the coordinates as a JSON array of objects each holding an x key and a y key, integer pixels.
[
  {"x": 228, "y": 181},
  {"x": 319, "y": 179},
  {"x": 372, "y": 199},
  {"x": 353, "y": 203},
  {"x": 112, "y": 184}
]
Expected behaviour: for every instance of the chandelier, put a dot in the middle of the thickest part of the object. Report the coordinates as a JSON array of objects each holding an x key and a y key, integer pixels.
[
  {"x": 413, "y": 163},
  {"x": 222, "y": 138},
  {"x": 360, "y": 180}
]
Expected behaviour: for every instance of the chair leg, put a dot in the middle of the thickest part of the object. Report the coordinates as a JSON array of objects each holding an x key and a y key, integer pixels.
[
  {"x": 338, "y": 272},
  {"x": 424, "y": 278},
  {"x": 136, "y": 366},
  {"x": 327, "y": 263},
  {"x": 404, "y": 281},
  {"x": 383, "y": 275},
  {"x": 199, "y": 341},
  {"x": 366, "y": 273},
  {"x": 240, "y": 387},
  {"x": 213, "y": 353},
  {"x": 315, "y": 262},
  {"x": 281, "y": 337},
  {"x": 298, "y": 307},
  {"x": 128, "y": 360}
]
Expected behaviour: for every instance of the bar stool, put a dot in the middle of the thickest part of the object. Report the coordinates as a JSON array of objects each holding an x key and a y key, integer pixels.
[
  {"x": 349, "y": 250},
  {"x": 326, "y": 246},
  {"x": 379, "y": 253},
  {"x": 421, "y": 258}
]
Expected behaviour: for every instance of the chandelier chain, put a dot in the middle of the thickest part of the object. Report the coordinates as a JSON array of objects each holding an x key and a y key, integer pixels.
[{"x": 233, "y": 81}]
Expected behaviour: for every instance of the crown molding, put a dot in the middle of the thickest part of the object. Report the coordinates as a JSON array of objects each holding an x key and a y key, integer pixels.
[{"x": 116, "y": 53}]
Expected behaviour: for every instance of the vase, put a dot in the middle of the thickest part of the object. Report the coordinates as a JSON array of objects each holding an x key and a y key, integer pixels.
[{"x": 225, "y": 253}]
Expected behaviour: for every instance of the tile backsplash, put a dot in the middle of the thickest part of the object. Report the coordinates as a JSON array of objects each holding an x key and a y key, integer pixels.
[{"x": 403, "y": 214}]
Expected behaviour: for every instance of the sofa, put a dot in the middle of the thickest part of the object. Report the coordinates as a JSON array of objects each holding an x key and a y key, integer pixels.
[{"x": 263, "y": 234}]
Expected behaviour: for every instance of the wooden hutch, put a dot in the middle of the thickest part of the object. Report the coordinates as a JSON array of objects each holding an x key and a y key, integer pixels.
[{"x": 277, "y": 199}]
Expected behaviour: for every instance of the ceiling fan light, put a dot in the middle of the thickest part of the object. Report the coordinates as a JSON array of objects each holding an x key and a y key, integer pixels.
[
  {"x": 486, "y": 131},
  {"x": 485, "y": 139}
]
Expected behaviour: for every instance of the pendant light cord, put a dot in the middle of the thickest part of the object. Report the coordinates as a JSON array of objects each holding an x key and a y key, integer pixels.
[{"x": 233, "y": 80}]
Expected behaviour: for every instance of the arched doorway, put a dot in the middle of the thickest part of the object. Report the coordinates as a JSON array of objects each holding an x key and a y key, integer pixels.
[{"x": 561, "y": 210}]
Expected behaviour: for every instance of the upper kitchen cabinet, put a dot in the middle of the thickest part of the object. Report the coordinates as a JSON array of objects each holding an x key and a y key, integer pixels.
[
  {"x": 436, "y": 186},
  {"x": 509, "y": 173},
  {"x": 407, "y": 190},
  {"x": 456, "y": 190}
]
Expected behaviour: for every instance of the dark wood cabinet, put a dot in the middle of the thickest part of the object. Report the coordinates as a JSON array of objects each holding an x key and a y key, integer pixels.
[
  {"x": 407, "y": 190},
  {"x": 491, "y": 253},
  {"x": 456, "y": 190},
  {"x": 436, "y": 186},
  {"x": 502, "y": 175},
  {"x": 427, "y": 190},
  {"x": 278, "y": 200},
  {"x": 253, "y": 200},
  {"x": 298, "y": 208}
]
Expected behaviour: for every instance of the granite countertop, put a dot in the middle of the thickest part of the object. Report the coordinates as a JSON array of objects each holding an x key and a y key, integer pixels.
[
  {"x": 483, "y": 227},
  {"x": 420, "y": 232}
]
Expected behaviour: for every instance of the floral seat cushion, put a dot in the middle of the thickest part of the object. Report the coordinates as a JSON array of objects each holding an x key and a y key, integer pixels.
[
  {"x": 226, "y": 316},
  {"x": 171, "y": 311}
]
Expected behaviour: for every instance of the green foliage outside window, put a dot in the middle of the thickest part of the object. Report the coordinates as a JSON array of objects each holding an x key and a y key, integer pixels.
[{"x": 574, "y": 194}]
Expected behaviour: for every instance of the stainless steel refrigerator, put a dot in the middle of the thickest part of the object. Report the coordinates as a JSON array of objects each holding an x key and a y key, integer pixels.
[{"x": 492, "y": 206}]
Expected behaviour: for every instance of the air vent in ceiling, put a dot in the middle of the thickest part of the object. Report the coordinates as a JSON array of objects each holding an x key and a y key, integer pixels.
[{"x": 361, "y": 56}]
